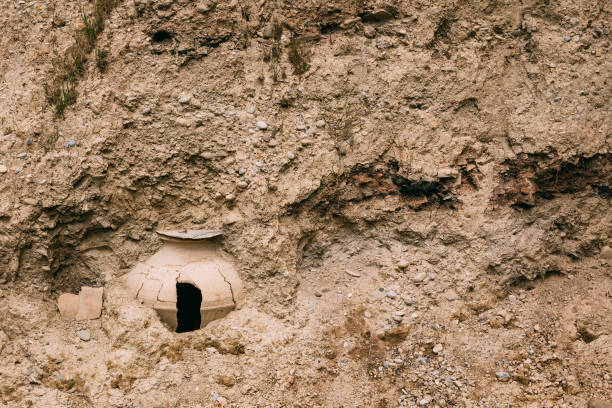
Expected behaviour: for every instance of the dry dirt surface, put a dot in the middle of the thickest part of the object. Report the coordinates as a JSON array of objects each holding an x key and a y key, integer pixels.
[{"x": 416, "y": 195}]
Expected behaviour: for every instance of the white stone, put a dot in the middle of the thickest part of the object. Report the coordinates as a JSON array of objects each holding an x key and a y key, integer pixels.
[{"x": 419, "y": 277}]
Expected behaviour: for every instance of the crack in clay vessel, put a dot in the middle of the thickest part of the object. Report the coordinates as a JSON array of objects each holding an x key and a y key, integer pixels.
[{"x": 187, "y": 258}]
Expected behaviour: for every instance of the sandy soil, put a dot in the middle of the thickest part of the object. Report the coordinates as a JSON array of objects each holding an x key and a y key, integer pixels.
[{"x": 453, "y": 156}]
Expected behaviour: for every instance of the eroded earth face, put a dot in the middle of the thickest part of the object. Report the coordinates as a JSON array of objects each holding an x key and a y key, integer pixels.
[{"x": 416, "y": 196}]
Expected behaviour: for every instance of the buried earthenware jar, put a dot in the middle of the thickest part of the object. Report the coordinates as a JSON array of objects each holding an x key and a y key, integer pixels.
[{"x": 188, "y": 282}]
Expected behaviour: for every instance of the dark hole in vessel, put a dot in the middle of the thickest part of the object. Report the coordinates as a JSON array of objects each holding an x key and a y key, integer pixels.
[{"x": 188, "y": 303}]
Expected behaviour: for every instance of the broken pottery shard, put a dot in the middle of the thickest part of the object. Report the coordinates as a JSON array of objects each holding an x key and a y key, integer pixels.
[
  {"x": 68, "y": 305},
  {"x": 188, "y": 282},
  {"x": 90, "y": 304}
]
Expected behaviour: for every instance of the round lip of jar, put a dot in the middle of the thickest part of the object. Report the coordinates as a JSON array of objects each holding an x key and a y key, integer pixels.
[{"x": 188, "y": 235}]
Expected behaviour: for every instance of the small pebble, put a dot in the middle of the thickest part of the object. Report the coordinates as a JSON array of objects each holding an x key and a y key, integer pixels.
[
  {"x": 409, "y": 301},
  {"x": 251, "y": 109},
  {"x": 261, "y": 125},
  {"x": 351, "y": 273},
  {"x": 437, "y": 349},
  {"x": 84, "y": 335},
  {"x": 502, "y": 375},
  {"x": 419, "y": 277},
  {"x": 451, "y": 296},
  {"x": 70, "y": 143}
]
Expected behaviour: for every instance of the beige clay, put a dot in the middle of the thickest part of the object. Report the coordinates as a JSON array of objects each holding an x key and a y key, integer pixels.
[
  {"x": 191, "y": 261},
  {"x": 86, "y": 305}
]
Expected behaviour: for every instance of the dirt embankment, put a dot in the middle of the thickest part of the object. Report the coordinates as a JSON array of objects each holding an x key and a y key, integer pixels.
[{"x": 453, "y": 157}]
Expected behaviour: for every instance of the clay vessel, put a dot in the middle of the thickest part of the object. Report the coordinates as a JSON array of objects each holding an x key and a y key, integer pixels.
[{"x": 188, "y": 282}]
